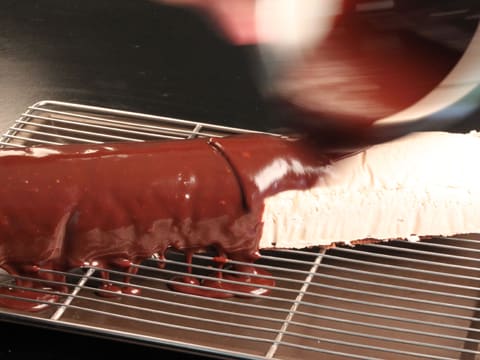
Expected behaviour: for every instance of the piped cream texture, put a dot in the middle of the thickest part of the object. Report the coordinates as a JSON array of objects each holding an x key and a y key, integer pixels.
[{"x": 423, "y": 184}]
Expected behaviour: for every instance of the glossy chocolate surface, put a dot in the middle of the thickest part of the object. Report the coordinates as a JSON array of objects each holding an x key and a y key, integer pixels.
[{"x": 112, "y": 205}]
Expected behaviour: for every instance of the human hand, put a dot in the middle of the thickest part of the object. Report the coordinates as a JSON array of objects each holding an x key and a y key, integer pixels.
[{"x": 236, "y": 18}]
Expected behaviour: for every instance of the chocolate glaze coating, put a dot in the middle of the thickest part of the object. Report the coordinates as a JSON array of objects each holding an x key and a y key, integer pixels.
[{"x": 112, "y": 205}]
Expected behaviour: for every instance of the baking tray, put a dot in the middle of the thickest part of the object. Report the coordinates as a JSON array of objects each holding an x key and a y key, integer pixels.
[{"x": 395, "y": 300}]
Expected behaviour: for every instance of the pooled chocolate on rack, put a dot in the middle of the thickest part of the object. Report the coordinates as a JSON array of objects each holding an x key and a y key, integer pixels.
[
  {"x": 111, "y": 206},
  {"x": 115, "y": 205}
]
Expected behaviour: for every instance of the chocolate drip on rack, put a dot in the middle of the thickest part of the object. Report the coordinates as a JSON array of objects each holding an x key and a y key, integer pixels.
[{"x": 112, "y": 206}]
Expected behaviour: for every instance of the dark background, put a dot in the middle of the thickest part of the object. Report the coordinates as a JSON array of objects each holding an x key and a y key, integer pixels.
[
  {"x": 139, "y": 56},
  {"x": 134, "y": 55}
]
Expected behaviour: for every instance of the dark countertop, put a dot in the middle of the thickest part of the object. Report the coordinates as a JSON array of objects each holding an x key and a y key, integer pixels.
[
  {"x": 20, "y": 341},
  {"x": 137, "y": 56},
  {"x": 145, "y": 57}
]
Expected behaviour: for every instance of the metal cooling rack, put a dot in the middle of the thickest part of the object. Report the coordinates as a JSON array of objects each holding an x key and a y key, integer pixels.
[{"x": 396, "y": 300}]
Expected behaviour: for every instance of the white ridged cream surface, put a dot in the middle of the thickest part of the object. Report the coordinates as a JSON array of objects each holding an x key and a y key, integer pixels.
[{"x": 423, "y": 184}]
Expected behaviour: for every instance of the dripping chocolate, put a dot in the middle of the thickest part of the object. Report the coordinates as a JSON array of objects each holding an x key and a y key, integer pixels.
[{"x": 115, "y": 205}]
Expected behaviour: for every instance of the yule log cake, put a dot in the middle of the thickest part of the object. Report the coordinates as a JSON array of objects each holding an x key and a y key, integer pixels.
[
  {"x": 114, "y": 205},
  {"x": 427, "y": 183}
]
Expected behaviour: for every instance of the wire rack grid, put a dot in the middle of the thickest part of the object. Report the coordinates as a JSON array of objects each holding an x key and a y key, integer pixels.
[{"x": 392, "y": 300}]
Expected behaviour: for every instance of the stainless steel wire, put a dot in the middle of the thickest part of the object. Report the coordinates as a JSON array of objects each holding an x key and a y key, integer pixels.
[{"x": 390, "y": 300}]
